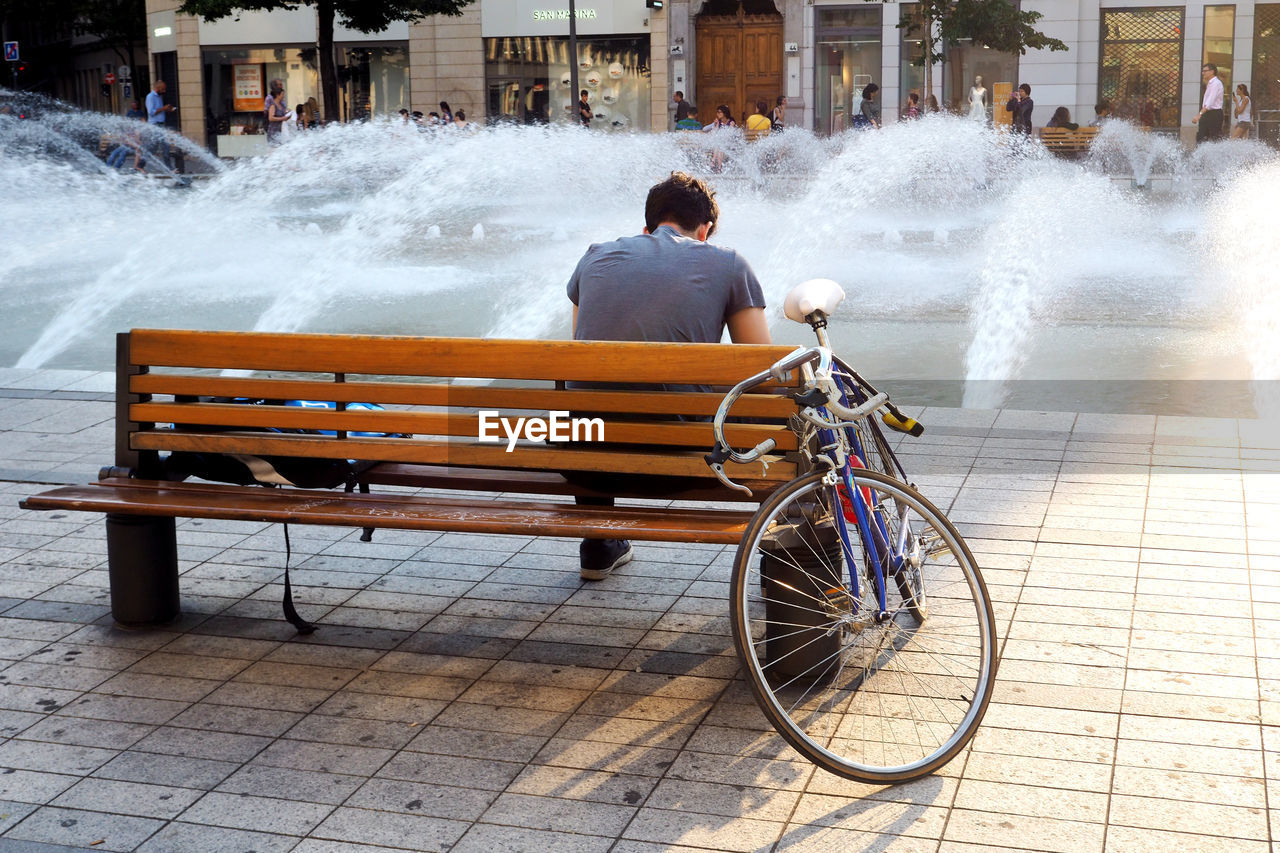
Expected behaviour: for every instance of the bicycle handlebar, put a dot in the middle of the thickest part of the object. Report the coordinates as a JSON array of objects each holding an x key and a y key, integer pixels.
[{"x": 822, "y": 381}]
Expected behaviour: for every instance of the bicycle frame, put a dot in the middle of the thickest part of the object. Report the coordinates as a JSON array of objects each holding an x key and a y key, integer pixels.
[{"x": 875, "y": 536}]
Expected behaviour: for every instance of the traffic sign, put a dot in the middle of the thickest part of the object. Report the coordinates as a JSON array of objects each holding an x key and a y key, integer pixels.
[
  {"x": 109, "y": 78},
  {"x": 124, "y": 72},
  {"x": 11, "y": 51}
]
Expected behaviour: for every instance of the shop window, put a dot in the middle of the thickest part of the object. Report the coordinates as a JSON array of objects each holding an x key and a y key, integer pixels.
[
  {"x": 1219, "y": 46},
  {"x": 235, "y": 86},
  {"x": 847, "y": 57},
  {"x": 911, "y": 70},
  {"x": 375, "y": 81},
  {"x": 965, "y": 63},
  {"x": 1265, "y": 79},
  {"x": 527, "y": 80},
  {"x": 1140, "y": 65}
]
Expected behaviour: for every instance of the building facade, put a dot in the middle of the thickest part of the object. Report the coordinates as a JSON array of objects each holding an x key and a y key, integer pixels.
[{"x": 508, "y": 61}]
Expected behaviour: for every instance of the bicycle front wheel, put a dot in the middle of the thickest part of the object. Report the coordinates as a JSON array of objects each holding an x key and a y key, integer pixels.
[{"x": 871, "y": 696}]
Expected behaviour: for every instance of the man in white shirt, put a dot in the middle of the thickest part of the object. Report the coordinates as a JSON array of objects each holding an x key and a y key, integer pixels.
[{"x": 1209, "y": 119}]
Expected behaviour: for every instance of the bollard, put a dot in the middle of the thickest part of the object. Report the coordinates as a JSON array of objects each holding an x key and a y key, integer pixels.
[
  {"x": 142, "y": 563},
  {"x": 801, "y": 570}
]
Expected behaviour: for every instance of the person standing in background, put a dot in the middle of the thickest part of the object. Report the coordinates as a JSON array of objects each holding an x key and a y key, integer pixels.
[
  {"x": 584, "y": 109},
  {"x": 157, "y": 111},
  {"x": 779, "y": 115},
  {"x": 1243, "y": 113},
  {"x": 1021, "y": 105},
  {"x": 276, "y": 111},
  {"x": 1209, "y": 120},
  {"x": 682, "y": 107}
]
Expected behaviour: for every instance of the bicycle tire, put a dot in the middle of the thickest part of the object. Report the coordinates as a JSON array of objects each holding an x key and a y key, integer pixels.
[{"x": 836, "y": 683}]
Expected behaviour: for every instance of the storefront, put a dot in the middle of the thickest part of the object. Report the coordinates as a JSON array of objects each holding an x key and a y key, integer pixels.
[
  {"x": 235, "y": 87},
  {"x": 847, "y": 56},
  {"x": 1140, "y": 65},
  {"x": 527, "y": 70}
]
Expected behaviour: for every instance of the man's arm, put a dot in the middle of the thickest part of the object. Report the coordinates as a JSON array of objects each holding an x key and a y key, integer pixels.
[{"x": 746, "y": 326}]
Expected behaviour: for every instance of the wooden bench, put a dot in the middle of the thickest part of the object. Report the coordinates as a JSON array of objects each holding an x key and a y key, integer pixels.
[
  {"x": 176, "y": 392},
  {"x": 1067, "y": 142}
]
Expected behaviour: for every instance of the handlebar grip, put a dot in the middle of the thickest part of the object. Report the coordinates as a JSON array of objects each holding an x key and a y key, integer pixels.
[
  {"x": 762, "y": 448},
  {"x": 902, "y": 423}
]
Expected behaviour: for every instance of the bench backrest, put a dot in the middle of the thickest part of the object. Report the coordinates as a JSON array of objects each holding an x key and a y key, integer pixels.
[
  {"x": 1064, "y": 138},
  {"x": 433, "y": 389}
]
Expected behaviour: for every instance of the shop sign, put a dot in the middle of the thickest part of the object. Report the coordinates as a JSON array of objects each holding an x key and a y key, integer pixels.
[
  {"x": 563, "y": 14},
  {"x": 246, "y": 82},
  {"x": 504, "y": 18}
]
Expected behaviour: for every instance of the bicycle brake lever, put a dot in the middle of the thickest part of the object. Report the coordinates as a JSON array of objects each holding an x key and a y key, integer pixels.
[{"x": 715, "y": 461}]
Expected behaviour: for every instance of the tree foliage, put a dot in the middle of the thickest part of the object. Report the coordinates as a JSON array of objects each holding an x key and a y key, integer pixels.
[
  {"x": 997, "y": 24},
  {"x": 367, "y": 16}
]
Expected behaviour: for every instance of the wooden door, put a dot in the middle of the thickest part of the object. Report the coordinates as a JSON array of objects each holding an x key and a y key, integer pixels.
[{"x": 739, "y": 62}]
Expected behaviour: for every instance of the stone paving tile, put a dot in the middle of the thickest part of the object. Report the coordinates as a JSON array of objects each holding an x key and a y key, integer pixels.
[
  {"x": 128, "y": 798},
  {"x": 386, "y": 828},
  {"x": 181, "y": 837},
  {"x": 486, "y": 838},
  {"x": 166, "y": 770},
  {"x": 259, "y": 814},
  {"x": 84, "y": 829}
]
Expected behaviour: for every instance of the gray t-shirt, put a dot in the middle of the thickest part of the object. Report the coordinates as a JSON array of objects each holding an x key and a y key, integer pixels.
[{"x": 660, "y": 287}]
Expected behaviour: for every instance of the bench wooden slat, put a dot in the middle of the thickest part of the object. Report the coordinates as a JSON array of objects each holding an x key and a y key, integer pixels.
[
  {"x": 407, "y": 512},
  {"x": 474, "y": 396},
  {"x": 541, "y": 483},
  {"x": 669, "y": 463},
  {"x": 713, "y": 364},
  {"x": 231, "y": 415},
  {"x": 1064, "y": 139}
]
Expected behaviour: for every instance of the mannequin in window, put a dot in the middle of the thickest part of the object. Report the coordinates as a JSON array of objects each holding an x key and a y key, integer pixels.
[{"x": 978, "y": 101}]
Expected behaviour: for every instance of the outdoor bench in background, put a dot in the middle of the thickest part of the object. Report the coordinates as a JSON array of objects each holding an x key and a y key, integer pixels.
[
  {"x": 183, "y": 392},
  {"x": 1068, "y": 142}
]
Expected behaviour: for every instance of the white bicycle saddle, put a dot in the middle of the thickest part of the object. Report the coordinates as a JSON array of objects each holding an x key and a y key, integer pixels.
[{"x": 816, "y": 294}]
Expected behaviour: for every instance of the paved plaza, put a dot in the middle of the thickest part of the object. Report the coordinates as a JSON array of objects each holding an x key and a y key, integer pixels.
[{"x": 470, "y": 693}]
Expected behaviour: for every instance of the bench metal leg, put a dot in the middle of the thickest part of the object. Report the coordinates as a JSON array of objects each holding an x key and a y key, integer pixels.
[
  {"x": 142, "y": 562},
  {"x": 366, "y": 535}
]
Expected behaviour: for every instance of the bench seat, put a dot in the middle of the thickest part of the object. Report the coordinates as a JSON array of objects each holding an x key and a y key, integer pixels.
[{"x": 400, "y": 511}]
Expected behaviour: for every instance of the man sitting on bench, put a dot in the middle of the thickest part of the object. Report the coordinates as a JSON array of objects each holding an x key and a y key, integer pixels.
[{"x": 666, "y": 284}]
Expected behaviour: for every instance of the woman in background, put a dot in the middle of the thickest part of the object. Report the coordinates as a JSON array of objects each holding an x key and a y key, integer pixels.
[{"x": 1243, "y": 113}]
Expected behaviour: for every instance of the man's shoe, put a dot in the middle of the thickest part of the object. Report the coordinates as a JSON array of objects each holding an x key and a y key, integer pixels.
[{"x": 601, "y": 556}]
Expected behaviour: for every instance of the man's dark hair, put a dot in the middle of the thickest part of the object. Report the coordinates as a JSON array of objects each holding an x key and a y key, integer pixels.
[
  {"x": 679, "y": 94},
  {"x": 1211, "y": 67},
  {"x": 1103, "y": 106},
  {"x": 582, "y": 94},
  {"x": 684, "y": 200},
  {"x": 1026, "y": 88}
]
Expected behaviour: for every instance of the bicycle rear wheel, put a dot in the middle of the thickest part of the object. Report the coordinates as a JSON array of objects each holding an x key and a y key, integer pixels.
[{"x": 873, "y": 699}]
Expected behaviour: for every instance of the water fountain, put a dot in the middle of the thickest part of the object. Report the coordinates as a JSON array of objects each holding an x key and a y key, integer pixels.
[{"x": 963, "y": 258}]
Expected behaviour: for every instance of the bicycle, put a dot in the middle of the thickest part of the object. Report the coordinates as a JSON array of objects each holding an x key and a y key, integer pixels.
[{"x": 858, "y": 612}]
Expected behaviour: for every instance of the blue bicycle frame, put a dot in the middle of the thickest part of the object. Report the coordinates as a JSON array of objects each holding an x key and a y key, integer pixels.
[{"x": 876, "y": 536}]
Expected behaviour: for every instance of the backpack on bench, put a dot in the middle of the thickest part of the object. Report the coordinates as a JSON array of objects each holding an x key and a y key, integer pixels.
[{"x": 300, "y": 471}]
